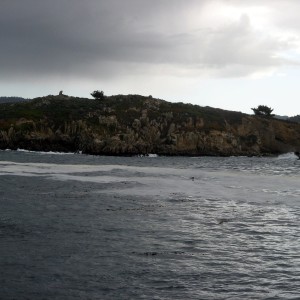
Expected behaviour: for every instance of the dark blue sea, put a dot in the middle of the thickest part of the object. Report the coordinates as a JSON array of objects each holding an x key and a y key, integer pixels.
[{"x": 89, "y": 227}]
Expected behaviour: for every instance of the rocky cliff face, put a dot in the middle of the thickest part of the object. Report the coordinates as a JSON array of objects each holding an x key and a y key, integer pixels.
[{"x": 129, "y": 125}]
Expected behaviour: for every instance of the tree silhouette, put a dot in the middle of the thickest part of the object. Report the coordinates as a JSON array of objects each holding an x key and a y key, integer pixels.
[
  {"x": 263, "y": 110},
  {"x": 98, "y": 95}
]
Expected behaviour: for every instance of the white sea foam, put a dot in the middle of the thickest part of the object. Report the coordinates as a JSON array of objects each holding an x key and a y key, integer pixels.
[
  {"x": 227, "y": 226},
  {"x": 45, "y": 152},
  {"x": 152, "y": 155},
  {"x": 290, "y": 155},
  {"x": 165, "y": 182}
]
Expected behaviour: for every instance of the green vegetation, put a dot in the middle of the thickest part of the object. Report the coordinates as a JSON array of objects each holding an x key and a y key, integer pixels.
[
  {"x": 133, "y": 124},
  {"x": 56, "y": 110},
  {"x": 12, "y": 99}
]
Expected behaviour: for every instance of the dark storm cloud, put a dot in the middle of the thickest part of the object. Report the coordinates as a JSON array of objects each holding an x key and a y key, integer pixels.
[
  {"x": 55, "y": 35},
  {"x": 101, "y": 37},
  {"x": 64, "y": 35}
]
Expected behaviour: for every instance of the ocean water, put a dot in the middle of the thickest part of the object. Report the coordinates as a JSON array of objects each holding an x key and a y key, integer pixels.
[{"x": 86, "y": 227}]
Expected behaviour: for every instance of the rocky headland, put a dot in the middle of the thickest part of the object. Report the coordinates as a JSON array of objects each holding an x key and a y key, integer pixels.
[{"x": 133, "y": 124}]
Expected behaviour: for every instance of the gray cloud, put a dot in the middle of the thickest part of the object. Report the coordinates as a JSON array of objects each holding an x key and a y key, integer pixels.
[{"x": 105, "y": 38}]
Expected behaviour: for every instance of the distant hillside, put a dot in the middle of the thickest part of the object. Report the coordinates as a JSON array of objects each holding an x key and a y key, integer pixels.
[
  {"x": 281, "y": 117},
  {"x": 295, "y": 119},
  {"x": 12, "y": 99},
  {"x": 133, "y": 124}
]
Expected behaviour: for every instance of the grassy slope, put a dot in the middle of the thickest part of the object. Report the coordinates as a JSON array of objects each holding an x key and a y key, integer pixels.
[{"x": 126, "y": 109}]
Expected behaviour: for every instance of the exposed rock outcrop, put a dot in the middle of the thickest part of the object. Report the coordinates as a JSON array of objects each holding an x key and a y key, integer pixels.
[{"x": 128, "y": 125}]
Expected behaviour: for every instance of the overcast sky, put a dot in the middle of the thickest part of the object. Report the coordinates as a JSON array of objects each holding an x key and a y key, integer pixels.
[{"x": 230, "y": 54}]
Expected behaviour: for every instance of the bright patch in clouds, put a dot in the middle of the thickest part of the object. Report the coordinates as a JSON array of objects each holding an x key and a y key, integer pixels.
[{"x": 193, "y": 51}]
